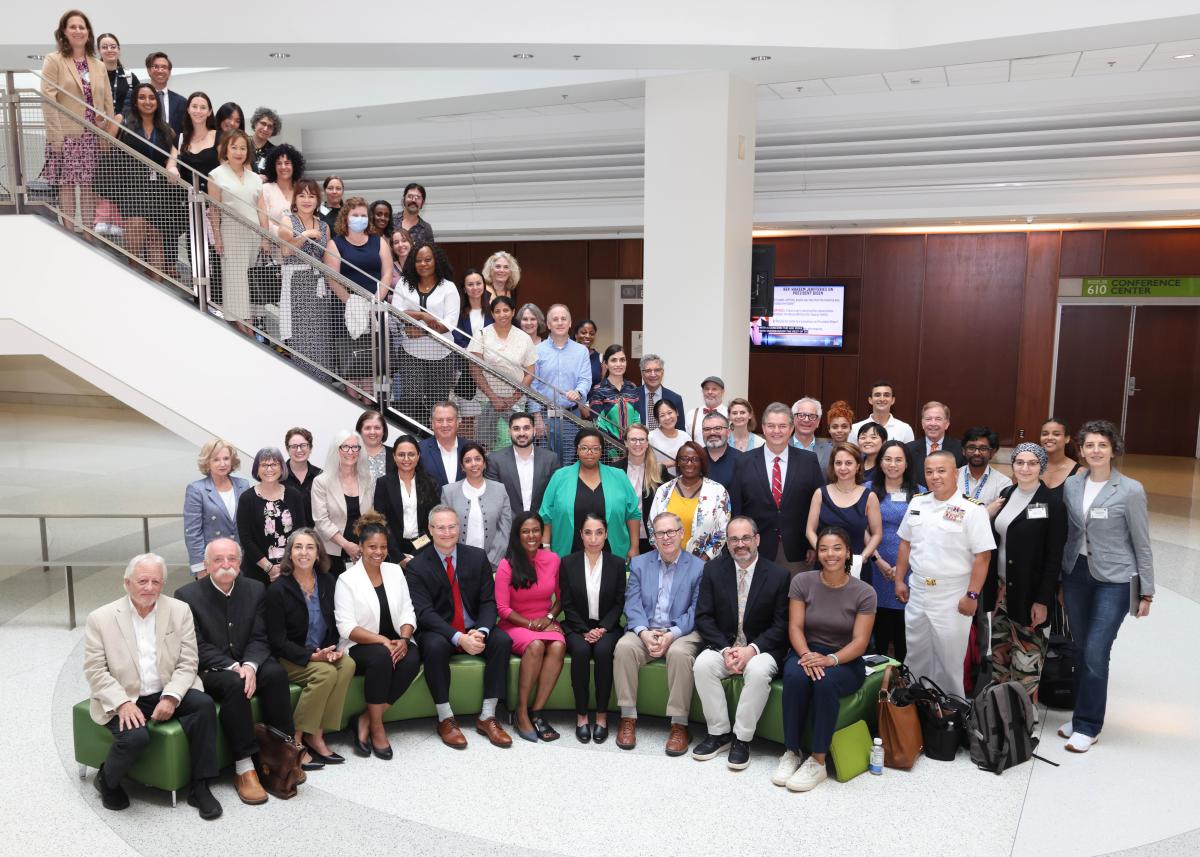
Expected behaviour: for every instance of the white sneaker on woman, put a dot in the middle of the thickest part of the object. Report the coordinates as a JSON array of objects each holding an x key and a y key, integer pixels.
[
  {"x": 810, "y": 775},
  {"x": 1066, "y": 730},
  {"x": 1081, "y": 743},
  {"x": 788, "y": 763}
]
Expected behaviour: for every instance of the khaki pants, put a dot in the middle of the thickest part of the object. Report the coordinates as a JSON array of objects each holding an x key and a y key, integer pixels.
[
  {"x": 631, "y": 655},
  {"x": 323, "y": 695},
  {"x": 710, "y": 669}
]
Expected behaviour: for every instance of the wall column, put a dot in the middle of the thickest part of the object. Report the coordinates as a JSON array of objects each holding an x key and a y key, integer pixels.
[{"x": 699, "y": 207}]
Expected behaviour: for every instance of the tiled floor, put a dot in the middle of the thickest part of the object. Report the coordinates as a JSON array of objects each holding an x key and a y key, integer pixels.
[{"x": 1133, "y": 795}]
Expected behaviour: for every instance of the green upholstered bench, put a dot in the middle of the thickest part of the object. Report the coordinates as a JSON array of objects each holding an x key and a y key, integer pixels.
[
  {"x": 860, "y": 705},
  {"x": 466, "y": 693},
  {"x": 165, "y": 764}
]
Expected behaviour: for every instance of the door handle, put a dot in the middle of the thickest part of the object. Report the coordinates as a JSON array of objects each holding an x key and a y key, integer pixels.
[{"x": 1131, "y": 386}]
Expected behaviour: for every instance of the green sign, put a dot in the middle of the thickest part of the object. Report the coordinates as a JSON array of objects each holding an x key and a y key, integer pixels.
[{"x": 1141, "y": 287}]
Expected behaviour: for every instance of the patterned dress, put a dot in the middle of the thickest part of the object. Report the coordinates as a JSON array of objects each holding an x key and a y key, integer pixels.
[
  {"x": 277, "y": 526},
  {"x": 75, "y": 161},
  {"x": 310, "y": 303}
]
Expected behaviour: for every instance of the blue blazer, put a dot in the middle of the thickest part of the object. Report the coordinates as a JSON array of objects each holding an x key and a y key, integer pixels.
[
  {"x": 671, "y": 396},
  {"x": 463, "y": 333},
  {"x": 205, "y": 517},
  {"x": 431, "y": 461},
  {"x": 641, "y": 592}
]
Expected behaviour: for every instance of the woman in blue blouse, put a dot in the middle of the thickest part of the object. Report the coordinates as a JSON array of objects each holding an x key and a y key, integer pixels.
[
  {"x": 895, "y": 487},
  {"x": 613, "y": 402}
]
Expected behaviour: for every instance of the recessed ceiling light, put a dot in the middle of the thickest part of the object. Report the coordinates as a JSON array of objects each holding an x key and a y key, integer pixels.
[
  {"x": 522, "y": 56},
  {"x": 35, "y": 56},
  {"x": 760, "y": 58},
  {"x": 799, "y": 88},
  {"x": 1182, "y": 56},
  {"x": 279, "y": 55}
]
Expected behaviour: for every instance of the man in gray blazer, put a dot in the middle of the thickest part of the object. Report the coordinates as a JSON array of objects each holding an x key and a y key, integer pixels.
[
  {"x": 806, "y": 417},
  {"x": 523, "y": 469},
  {"x": 660, "y": 609}
]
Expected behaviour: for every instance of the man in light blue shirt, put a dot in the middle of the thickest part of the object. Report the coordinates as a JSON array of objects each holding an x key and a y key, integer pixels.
[
  {"x": 660, "y": 609},
  {"x": 564, "y": 376}
]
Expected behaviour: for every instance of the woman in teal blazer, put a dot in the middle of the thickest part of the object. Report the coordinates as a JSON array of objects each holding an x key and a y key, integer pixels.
[{"x": 590, "y": 487}]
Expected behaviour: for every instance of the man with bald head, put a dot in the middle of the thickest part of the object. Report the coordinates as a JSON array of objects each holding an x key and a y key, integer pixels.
[
  {"x": 235, "y": 658},
  {"x": 139, "y": 657}
]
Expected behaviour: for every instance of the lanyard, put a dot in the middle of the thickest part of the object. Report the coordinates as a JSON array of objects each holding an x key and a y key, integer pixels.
[{"x": 979, "y": 487}]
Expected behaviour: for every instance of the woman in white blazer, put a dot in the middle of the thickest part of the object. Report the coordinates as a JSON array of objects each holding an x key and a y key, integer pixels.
[
  {"x": 483, "y": 507},
  {"x": 375, "y": 619},
  {"x": 342, "y": 493},
  {"x": 702, "y": 504},
  {"x": 210, "y": 504}
]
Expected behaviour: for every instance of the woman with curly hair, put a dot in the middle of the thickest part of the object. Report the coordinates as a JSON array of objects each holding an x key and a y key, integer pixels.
[{"x": 285, "y": 167}]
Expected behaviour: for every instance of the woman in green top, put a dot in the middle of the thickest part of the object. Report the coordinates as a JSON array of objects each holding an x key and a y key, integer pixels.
[
  {"x": 587, "y": 486},
  {"x": 613, "y": 402}
]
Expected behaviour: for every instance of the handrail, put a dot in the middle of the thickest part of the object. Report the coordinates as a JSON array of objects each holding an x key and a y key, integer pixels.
[{"x": 445, "y": 339}]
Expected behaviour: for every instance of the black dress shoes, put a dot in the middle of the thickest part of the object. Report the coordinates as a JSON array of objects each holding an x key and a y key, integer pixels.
[
  {"x": 385, "y": 753},
  {"x": 543, "y": 728},
  {"x": 584, "y": 733},
  {"x": 113, "y": 797},
  {"x": 330, "y": 758},
  {"x": 361, "y": 748},
  {"x": 203, "y": 800},
  {"x": 599, "y": 733}
]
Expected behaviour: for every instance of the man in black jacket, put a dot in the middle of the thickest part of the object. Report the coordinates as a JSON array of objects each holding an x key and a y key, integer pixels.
[
  {"x": 741, "y": 613},
  {"x": 235, "y": 658},
  {"x": 454, "y": 596},
  {"x": 935, "y": 424}
]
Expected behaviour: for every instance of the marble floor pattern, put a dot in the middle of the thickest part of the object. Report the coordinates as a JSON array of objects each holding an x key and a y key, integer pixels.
[{"x": 1132, "y": 795}]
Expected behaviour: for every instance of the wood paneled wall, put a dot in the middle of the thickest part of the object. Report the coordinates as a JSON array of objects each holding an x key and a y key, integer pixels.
[{"x": 964, "y": 318}]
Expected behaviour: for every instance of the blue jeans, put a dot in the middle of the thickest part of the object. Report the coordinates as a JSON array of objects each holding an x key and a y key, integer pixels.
[
  {"x": 1095, "y": 610},
  {"x": 824, "y": 697}
]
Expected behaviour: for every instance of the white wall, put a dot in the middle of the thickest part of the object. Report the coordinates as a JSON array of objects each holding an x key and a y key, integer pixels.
[{"x": 138, "y": 342}]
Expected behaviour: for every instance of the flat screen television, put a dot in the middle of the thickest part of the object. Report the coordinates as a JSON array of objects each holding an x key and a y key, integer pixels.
[{"x": 810, "y": 315}]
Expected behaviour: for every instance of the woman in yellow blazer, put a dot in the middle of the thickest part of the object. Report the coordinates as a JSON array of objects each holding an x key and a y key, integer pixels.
[{"x": 75, "y": 79}]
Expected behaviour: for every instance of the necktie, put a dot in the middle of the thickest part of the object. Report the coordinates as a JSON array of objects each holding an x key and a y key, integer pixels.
[
  {"x": 458, "y": 622},
  {"x": 708, "y": 411},
  {"x": 743, "y": 590},
  {"x": 933, "y": 446},
  {"x": 162, "y": 104},
  {"x": 777, "y": 483},
  {"x": 651, "y": 420}
]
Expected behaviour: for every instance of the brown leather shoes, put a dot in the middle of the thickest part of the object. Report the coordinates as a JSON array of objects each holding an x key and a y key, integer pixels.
[
  {"x": 678, "y": 740},
  {"x": 494, "y": 732},
  {"x": 249, "y": 789},
  {"x": 450, "y": 734},
  {"x": 627, "y": 733}
]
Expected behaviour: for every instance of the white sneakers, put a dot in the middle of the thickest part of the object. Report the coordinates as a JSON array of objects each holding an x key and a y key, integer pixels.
[
  {"x": 810, "y": 775},
  {"x": 1080, "y": 743},
  {"x": 797, "y": 777},
  {"x": 788, "y": 763},
  {"x": 1066, "y": 730}
]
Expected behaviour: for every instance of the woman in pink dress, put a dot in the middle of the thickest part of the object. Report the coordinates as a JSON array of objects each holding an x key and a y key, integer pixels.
[{"x": 527, "y": 600}]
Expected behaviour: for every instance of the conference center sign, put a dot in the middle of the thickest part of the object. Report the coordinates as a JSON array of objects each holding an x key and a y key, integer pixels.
[{"x": 1141, "y": 287}]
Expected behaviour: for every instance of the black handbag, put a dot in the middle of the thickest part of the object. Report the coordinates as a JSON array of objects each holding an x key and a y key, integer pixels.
[
  {"x": 943, "y": 720},
  {"x": 266, "y": 280},
  {"x": 1056, "y": 688}
]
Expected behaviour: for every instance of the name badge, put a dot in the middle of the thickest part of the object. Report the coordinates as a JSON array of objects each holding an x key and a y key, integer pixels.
[
  {"x": 1036, "y": 511},
  {"x": 899, "y": 497},
  {"x": 1100, "y": 514},
  {"x": 420, "y": 542}
]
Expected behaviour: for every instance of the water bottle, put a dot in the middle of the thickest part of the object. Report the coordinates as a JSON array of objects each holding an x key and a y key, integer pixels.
[{"x": 876, "y": 765}]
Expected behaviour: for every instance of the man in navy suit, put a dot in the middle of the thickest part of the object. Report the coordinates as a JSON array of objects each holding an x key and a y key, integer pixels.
[
  {"x": 652, "y": 390},
  {"x": 454, "y": 596},
  {"x": 935, "y": 423},
  {"x": 742, "y": 614},
  {"x": 774, "y": 485},
  {"x": 660, "y": 613},
  {"x": 440, "y": 454},
  {"x": 171, "y": 105}
]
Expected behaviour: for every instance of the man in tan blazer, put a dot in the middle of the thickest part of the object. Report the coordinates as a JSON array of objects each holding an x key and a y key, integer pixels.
[{"x": 140, "y": 662}]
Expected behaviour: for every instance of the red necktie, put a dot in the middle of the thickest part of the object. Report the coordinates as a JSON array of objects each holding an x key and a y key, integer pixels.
[
  {"x": 777, "y": 483},
  {"x": 933, "y": 446},
  {"x": 458, "y": 622}
]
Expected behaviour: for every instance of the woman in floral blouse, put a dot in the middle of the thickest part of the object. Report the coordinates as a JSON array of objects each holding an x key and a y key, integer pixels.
[
  {"x": 701, "y": 503},
  {"x": 266, "y": 516}
]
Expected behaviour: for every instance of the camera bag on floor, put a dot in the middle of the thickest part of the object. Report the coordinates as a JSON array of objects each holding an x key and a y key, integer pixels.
[
  {"x": 1001, "y": 729},
  {"x": 1056, "y": 688},
  {"x": 943, "y": 720}
]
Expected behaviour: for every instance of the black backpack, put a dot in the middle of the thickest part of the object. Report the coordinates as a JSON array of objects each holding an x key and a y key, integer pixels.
[
  {"x": 1056, "y": 688},
  {"x": 1002, "y": 724}
]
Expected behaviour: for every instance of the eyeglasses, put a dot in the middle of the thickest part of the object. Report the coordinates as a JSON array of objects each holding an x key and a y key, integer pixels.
[
  {"x": 977, "y": 448},
  {"x": 443, "y": 528},
  {"x": 271, "y": 463},
  {"x": 298, "y": 447},
  {"x": 1020, "y": 463},
  {"x": 593, "y": 449},
  {"x": 408, "y": 455},
  {"x": 667, "y": 534},
  {"x": 345, "y": 447},
  {"x": 741, "y": 540},
  {"x": 808, "y": 418},
  {"x": 629, "y": 441}
]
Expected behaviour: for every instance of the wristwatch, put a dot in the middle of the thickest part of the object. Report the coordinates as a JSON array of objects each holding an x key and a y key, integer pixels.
[{"x": 974, "y": 596}]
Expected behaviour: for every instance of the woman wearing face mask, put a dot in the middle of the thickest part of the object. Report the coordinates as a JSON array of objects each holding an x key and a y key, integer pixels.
[
  {"x": 369, "y": 266},
  {"x": 426, "y": 293},
  {"x": 484, "y": 513},
  {"x": 334, "y": 190},
  {"x": 236, "y": 186},
  {"x": 894, "y": 490},
  {"x": 502, "y": 273},
  {"x": 871, "y": 438},
  {"x": 304, "y": 302},
  {"x": 381, "y": 218},
  {"x": 120, "y": 81}
]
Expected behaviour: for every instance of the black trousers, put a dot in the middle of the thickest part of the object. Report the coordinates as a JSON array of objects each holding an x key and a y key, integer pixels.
[
  {"x": 197, "y": 717},
  {"x": 581, "y": 652},
  {"x": 384, "y": 682},
  {"x": 889, "y": 629},
  {"x": 271, "y": 688},
  {"x": 435, "y": 654}
]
